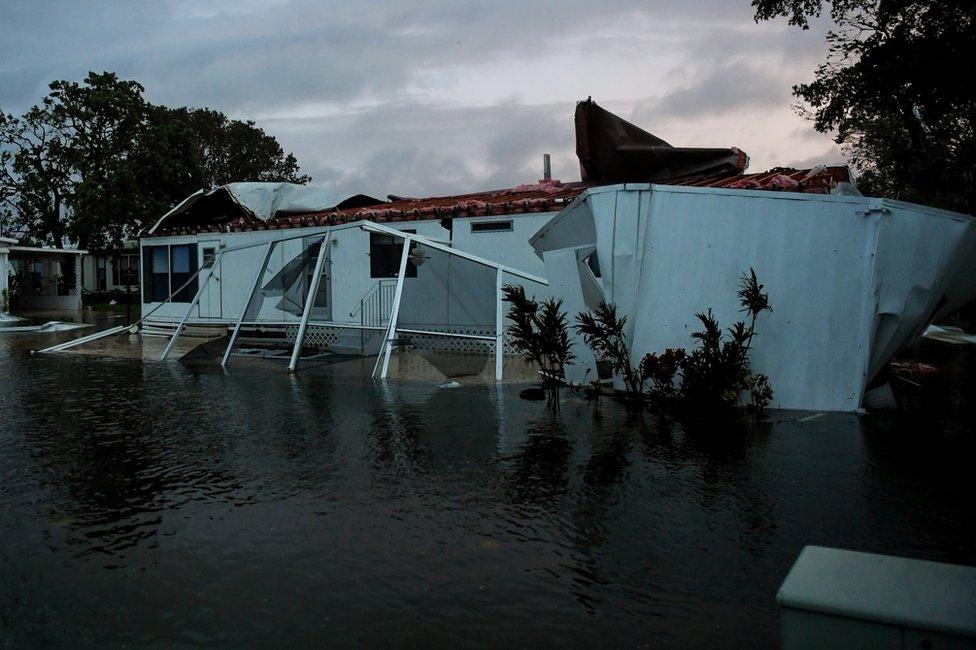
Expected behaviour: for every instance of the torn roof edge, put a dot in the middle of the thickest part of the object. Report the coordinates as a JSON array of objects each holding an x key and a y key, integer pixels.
[{"x": 542, "y": 197}]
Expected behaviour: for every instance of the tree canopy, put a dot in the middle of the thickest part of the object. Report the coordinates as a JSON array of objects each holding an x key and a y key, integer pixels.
[
  {"x": 895, "y": 92},
  {"x": 94, "y": 162}
]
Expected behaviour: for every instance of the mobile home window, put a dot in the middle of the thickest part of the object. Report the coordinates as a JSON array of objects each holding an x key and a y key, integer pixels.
[
  {"x": 100, "y": 284},
  {"x": 130, "y": 270},
  {"x": 165, "y": 269},
  {"x": 491, "y": 226},
  {"x": 159, "y": 272},
  {"x": 180, "y": 272},
  {"x": 125, "y": 271},
  {"x": 384, "y": 256}
]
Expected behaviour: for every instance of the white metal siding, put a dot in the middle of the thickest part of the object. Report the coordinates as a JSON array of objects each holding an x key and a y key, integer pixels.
[{"x": 850, "y": 279}]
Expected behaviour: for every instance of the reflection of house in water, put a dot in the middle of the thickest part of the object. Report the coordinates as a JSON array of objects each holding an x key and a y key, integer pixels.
[{"x": 33, "y": 278}]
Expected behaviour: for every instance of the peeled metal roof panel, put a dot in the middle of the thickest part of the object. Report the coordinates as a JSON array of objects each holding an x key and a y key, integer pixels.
[
  {"x": 264, "y": 200},
  {"x": 258, "y": 202}
]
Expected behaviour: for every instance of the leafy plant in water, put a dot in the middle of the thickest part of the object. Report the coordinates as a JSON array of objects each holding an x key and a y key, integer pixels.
[
  {"x": 712, "y": 376},
  {"x": 540, "y": 333},
  {"x": 760, "y": 393},
  {"x": 715, "y": 374},
  {"x": 603, "y": 332},
  {"x": 661, "y": 370}
]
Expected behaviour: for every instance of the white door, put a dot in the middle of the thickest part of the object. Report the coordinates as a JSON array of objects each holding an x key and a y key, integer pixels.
[
  {"x": 322, "y": 309},
  {"x": 210, "y": 300}
]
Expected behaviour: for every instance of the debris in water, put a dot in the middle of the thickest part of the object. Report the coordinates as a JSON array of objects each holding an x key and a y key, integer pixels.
[{"x": 533, "y": 394}]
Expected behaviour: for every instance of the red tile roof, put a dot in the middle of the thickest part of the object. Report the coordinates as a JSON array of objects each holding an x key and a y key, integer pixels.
[
  {"x": 545, "y": 196},
  {"x": 819, "y": 180}
]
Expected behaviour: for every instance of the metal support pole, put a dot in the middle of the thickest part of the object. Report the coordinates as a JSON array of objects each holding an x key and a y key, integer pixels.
[
  {"x": 186, "y": 316},
  {"x": 247, "y": 304},
  {"x": 499, "y": 325},
  {"x": 395, "y": 312},
  {"x": 313, "y": 288}
]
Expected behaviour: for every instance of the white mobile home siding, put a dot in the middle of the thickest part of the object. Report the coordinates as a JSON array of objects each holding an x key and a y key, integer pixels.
[
  {"x": 222, "y": 301},
  {"x": 851, "y": 279}
]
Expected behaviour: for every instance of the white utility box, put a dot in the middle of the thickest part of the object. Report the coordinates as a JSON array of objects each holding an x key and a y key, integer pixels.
[{"x": 844, "y": 599}]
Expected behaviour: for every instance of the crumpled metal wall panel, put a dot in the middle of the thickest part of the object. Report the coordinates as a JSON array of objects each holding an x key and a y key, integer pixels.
[{"x": 851, "y": 279}]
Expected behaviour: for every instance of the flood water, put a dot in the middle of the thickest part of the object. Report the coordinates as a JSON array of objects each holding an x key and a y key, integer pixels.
[{"x": 150, "y": 503}]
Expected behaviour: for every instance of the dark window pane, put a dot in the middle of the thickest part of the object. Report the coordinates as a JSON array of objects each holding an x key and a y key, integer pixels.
[
  {"x": 160, "y": 286},
  {"x": 160, "y": 259},
  {"x": 384, "y": 256},
  {"x": 491, "y": 226},
  {"x": 182, "y": 267},
  {"x": 147, "y": 292},
  {"x": 181, "y": 259},
  {"x": 156, "y": 274},
  {"x": 100, "y": 283}
]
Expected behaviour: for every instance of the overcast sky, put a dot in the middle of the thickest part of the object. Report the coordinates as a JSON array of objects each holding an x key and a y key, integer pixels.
[{"x": 447, "y": 96}]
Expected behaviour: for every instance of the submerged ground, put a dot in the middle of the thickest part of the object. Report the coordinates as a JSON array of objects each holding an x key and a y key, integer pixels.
[{"x": 151, "y": 503}]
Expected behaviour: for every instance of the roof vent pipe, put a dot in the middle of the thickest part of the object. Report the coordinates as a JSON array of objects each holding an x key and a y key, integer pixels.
[{"x": 546, "y": 168}]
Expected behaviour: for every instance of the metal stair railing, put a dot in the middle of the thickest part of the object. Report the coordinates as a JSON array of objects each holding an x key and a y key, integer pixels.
[{"x": 374, "y": 308}]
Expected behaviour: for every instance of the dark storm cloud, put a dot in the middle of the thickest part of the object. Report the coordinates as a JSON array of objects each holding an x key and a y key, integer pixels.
[
  {"x": 730, "y": 68},
  {"x": 424, "y": 149},
  {"x": 366, "y": 93},
  {"x": 722, "y": 89},
  {"x": 248, "y": 55}
]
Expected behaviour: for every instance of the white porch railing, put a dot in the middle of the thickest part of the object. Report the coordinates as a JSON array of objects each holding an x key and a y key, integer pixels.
[{"x": 375, "y": 305}]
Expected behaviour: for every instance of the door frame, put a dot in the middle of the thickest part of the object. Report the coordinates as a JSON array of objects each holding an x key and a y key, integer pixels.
[{"x": 215, "y": 244}]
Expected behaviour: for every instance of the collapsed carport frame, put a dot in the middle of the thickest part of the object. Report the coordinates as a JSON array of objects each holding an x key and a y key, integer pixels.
[{"x": 381, "y": 367}]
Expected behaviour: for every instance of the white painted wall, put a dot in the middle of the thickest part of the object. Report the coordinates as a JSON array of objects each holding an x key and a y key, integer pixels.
[
  {"x": 441, "y": 292},
  {"x": 510, "y": 248},
  {"x": 850, "y": 279},
  {"x": 224, "y": 300},
  {"x": 89, "y": 273}
]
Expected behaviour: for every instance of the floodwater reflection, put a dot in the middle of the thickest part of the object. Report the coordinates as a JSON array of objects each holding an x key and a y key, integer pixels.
[{"x": 154, "y": 503}]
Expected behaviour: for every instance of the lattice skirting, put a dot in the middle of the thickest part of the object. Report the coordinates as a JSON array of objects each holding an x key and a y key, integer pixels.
[
  {"x": 316, "y": 336},
  {"x": 322, "y": 337},
  {"x": 450, "y": 344}
]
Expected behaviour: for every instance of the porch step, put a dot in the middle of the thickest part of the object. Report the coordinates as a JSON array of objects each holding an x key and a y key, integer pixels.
[{"x": 166, "y": 328}]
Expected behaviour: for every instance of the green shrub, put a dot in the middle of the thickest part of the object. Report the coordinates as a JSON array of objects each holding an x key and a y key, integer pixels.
[
  {"x": 717, "y": 371},
  {"x": 712, "y": 376},
  {"x": 603, "y": 332},
  {"x": 541, "y": 335}
]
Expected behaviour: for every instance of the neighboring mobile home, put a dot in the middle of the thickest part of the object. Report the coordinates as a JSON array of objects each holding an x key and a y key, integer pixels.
[
  {"x": 39, "y": 279},
  {"x": 112, "y": 269}
]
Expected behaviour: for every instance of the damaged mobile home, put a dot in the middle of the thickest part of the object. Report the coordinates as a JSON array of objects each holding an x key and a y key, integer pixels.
[{"x": 661, "y": 231}]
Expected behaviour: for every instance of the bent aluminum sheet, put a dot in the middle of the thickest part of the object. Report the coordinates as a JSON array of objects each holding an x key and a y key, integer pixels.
[
  {"x": 852, "y": 280},
  {"x": 265, "y": 199}
]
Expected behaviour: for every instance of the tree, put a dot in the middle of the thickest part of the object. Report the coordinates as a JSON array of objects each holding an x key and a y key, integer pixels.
[
  {"x": 895, "y": 92},
  {"x": 94, "y": 162},
  {"x": 35, "y": 176},
  {"x": 104, "y": 122},
  {"x": 235, "y": 150}
]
